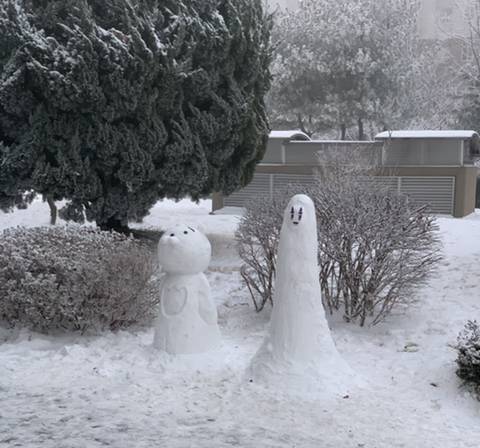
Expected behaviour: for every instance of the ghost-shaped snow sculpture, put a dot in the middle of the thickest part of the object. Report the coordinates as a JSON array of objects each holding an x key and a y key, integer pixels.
[
  {"x": 187, "y": 321},
  {"x": 299, "y": 341}
]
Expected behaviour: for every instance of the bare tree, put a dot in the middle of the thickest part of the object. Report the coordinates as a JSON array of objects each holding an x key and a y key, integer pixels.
[
  {"x": 467, "y": 66},
  {"x": 376, "y": 247},
  {"x": 350, "y": 68}
]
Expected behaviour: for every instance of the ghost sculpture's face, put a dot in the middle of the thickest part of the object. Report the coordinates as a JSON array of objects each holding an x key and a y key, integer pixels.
[
  {"x": 300, "y": 213},
  {"x": 184, "y": 250}
]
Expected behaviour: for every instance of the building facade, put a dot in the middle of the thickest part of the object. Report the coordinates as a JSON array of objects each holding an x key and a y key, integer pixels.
[{"x": 433, "y": 168}]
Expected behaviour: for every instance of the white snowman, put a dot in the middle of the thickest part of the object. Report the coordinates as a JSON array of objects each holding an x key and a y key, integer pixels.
[
  {"x": 187, "y": 321},
  {"x": 298, "y": 345}
]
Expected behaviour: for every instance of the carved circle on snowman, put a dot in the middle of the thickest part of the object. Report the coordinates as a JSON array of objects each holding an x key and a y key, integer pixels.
[{"x": 187, "y": 322}]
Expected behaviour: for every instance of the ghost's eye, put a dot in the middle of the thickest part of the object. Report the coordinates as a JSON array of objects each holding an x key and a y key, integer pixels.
[
  {"x": 292, "y": 213},
  {"x": 185, "y": 232},
  {"x": 172, "y": 234},
  {"x": 300, "y": 214}
]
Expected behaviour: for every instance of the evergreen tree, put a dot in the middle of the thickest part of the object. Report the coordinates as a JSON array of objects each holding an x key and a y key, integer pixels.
[{"x": 113, "y": 104}]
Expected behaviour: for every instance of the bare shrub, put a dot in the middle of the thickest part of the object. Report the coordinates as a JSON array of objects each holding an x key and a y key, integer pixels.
[
  {"x": 257, "y": 237},
  {"x": 468, "y": 359},
  {"x": 375, "y": 247},
  {"x": 74, "y": 279}
]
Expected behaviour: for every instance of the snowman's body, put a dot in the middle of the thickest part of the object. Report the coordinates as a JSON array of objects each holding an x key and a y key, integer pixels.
[
  {"x": 299, "y": 330},
  {"x": 299, "y": 341},
  {"x": 187, "y": 321}
]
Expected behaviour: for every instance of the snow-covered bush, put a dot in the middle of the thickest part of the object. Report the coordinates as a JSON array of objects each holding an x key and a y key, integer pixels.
[
  {"x": 375, "y": 247},
  {"x": 468, "y": 360},
  {"x": 74, "y": 279}
]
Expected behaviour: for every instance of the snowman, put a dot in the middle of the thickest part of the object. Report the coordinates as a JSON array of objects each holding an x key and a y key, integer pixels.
[
  {"x": 299, "y": 344},
  {"x": 187, "y": 321}
]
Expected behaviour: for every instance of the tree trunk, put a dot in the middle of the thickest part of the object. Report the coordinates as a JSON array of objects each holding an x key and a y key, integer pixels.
[
  {"x": 343, "y": 130},
  {"x": 360, "y": 129},
  {"x": 53, "y": 210},
  {"x": 116, "y": 225},
  {"x": 301, "y": 126}
]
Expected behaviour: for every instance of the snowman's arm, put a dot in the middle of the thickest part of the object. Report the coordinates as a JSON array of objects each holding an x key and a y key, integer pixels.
[
  {"x": 161, "y": 280},
  {"x": 206, "y": 306},
  {"x": 203, "y": 283}
]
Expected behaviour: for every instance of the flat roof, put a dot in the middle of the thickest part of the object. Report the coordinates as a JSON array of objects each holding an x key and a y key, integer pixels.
[
  {"x": 289, "y": 135},
  {"x": 344, "y": 142},
  {"x": 462, "y": 135}
]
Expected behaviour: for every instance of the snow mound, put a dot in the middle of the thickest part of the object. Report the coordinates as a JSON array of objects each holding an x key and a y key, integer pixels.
[{"x": 326, "y": 377}]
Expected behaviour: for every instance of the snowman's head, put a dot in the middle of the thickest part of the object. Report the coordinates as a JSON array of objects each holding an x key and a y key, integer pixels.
[
  {"x": 300, "y": 213},
  {"x": 184, "y": 250}
]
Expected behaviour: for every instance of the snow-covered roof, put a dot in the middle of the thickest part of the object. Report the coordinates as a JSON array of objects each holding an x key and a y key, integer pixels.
[
  {"x": 426, "y": 134},
  {"x": 289, "y": 135}
]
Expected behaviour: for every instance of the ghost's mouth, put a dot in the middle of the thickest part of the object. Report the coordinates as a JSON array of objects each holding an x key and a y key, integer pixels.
[{"x": 296, "y": 223}]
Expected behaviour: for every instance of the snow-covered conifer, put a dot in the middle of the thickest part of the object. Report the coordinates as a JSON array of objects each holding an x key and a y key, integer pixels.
[
  {"x": 468, "y": 360},
  {"x": 114, "y": 104}
]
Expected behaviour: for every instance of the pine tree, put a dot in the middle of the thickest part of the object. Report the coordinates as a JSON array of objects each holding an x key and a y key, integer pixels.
[{"x": 113, "y": 104}]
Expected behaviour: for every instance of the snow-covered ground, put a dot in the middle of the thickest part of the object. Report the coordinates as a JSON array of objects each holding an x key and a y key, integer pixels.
[{"x": 115, "y": 390}]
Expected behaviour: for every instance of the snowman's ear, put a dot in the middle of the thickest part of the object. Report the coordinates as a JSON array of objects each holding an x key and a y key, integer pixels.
[{"x": 201, "y": 228}]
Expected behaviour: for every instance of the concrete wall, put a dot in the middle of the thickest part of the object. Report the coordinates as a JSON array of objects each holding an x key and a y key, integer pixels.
[
  {"x": 429, "y": 171},
  {"x": 465, "y": 184},
  {"x": 423, "y": 152},
  {"x": 465, "y": 179},
  {"x": 403, "y": 152},
  {"x": 274, "y": 151},
  {"x": 349, "y": 152},
  {"x": 447, "y": 189}
]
